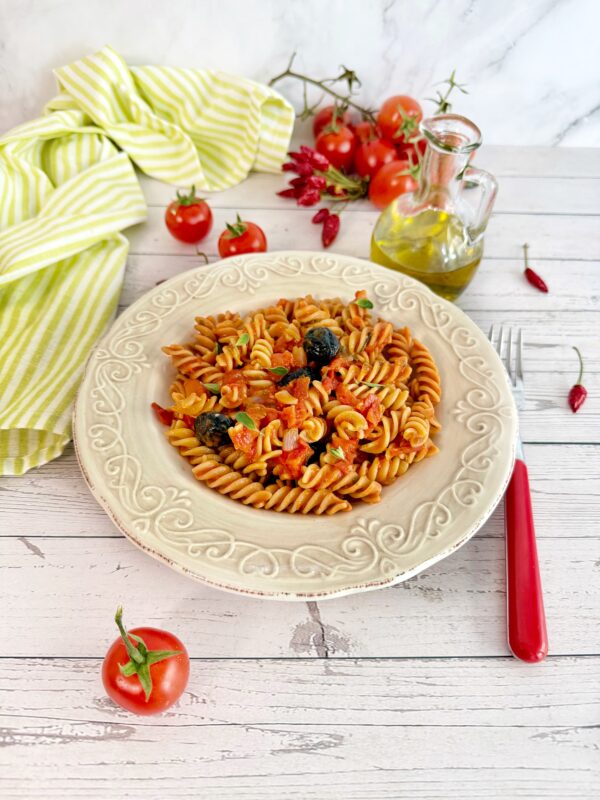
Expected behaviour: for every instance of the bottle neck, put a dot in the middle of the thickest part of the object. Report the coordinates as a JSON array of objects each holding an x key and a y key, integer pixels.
[{"x": 438, "y": 185}]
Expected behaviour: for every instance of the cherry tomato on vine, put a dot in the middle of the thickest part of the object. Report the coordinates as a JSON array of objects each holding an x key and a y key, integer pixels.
[
  {"x": 365, "y": 131},
  {"x": 372, "y": 155},
  {"x": 338, "y": 144},
  {"x": 399, "y": 117},
  {"x": 391, "y": 181},
  {"x": 146, "y": 670},
  {"x": 241, "y": 237},
  {"x": 324, "y": 117},
  {"x": 413, "y": 150},
  {"x": 189, "y": 218}
]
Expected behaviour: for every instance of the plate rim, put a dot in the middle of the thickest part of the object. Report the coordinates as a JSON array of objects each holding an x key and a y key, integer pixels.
[{"x": 284, "y": 596}]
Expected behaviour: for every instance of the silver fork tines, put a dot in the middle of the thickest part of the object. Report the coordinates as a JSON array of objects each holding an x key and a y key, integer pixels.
[{"x": 508, "y": 343}]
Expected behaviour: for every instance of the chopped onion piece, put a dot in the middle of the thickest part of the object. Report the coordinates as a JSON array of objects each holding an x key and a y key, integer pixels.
[{"x": 290, "y": 439}]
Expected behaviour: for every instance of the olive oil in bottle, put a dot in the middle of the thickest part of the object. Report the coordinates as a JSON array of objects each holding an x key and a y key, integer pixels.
[
  {"x": 432, "y": 246},
  {"x": 436, "y": 234}
]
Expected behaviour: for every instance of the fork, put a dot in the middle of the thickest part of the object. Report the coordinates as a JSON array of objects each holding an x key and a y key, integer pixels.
[{"x": 526, "y": 621}]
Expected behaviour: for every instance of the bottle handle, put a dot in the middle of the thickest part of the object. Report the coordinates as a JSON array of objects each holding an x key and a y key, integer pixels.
[{"x": 487, "y": 187}]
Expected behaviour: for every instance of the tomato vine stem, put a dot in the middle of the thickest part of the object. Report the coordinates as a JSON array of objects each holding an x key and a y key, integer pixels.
[{"x": 345, "y": 101}]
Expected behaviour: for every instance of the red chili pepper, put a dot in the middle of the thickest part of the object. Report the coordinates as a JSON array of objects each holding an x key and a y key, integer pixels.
[
  {"x": 320, "y": 216},
  {"x": 316, "y": 182},
  {"x": 316, "y": 160},
  {"x": 288, "y": 193},
  {"x": 533, "y": 278},
  {"x": 309, "y": 197},
  {"x": 331, "y": 228},
  {"x": 302, "y": 168},
  {"x": 578, "y": 392},
  {"x": 164, "y": 415}
]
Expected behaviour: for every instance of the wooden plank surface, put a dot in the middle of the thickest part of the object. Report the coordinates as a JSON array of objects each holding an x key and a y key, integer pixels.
[
  {"x": 556, "y": 236},
  {"x": 278, "y": 729}
]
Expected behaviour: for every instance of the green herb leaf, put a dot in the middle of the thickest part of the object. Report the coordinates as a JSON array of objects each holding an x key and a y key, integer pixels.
[
  {"x": 364, "y": 302},
  {"x": 244, "y": 339},
  {"x": 278, "y": 370},
  {"x": 246, "y": 420},
  {"x": 212, "y": 387},
  {"x": 216, "y": 348},
  {"x": 337, "y": 452},
  {"x": 373, "y": 385}
]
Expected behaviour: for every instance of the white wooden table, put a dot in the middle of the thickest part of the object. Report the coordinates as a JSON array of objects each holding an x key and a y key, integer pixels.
[{"x": 407, "y": 692}]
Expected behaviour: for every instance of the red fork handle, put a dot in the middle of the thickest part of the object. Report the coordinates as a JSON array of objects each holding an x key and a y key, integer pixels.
[{"x": 527, "y": 636}]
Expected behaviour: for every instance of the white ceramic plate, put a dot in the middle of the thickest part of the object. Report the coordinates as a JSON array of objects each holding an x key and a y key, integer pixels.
[{"x": 152, "y": 496}]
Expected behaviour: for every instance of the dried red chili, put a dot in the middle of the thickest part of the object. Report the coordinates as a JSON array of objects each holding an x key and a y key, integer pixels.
[
  {"x": 320, "y": 216},
  {"x": 533, "y": 278},
  {"x": 331, "y": 228},
  {"x": 578, "y": 392}
]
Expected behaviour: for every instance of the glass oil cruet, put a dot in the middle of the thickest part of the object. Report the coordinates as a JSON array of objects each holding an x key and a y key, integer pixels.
[{"x": 436, "y": 233}]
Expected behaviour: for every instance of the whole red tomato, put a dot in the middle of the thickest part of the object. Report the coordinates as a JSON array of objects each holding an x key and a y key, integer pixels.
[
  {"x": 189, "y": 218},
  {"x": 372, "y": 155},
  {"x": 365, "y": 131},
  {"x": 242, "y": 237},
  {"x": 399, "y": 117},
  {"x": 391, "y": 181},
  {"x": 146, "y": 670},
  {"x": 324, "y": 117},
  {"x": 338, "y": 144},
  {"x": 413, "y": 150}
]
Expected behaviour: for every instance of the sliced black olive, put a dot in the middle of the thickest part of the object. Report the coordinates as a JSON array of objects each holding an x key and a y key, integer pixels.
[
  {"x": 321, "y": 345},
  {"x": 211, "y": 428},
  {"x": 303, "y": 372}
]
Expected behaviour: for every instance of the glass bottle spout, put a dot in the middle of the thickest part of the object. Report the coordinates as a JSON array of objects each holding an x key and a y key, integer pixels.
[{"x": 448, "y": 181}]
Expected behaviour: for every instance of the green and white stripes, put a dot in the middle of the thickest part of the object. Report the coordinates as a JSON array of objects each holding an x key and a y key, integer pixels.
[{"x": 66, "y": 192}]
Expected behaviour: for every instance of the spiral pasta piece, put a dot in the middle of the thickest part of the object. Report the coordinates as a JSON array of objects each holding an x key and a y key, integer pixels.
[
  {"x": 229, "y": 482},
  {"x": 184, "y": 439},
  {"x": 349, "y": 422},
  {"x": 384, "y": 469},
  {"x": 295, "y": 500},
  {"x": 353, "y": 484},
  {"x": 426, "y": 378},
  {"x": 416, "y": 427},
  {"x": 261, "y": 353}
]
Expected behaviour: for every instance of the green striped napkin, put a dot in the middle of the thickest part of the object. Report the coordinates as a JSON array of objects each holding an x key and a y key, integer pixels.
[{"x": 67, "y": 189}]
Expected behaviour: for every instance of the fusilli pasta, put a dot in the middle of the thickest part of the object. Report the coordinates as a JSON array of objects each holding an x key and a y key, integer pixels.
[{"x": 305, "y": 406}]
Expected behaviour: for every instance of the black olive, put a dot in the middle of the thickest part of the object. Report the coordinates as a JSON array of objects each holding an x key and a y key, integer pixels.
[
  {"x": 311, "y": 372},
  {"x": 318, "y": 447},
  {"x": 321, "y": 345},
  {"x": 211, "y": 428}
]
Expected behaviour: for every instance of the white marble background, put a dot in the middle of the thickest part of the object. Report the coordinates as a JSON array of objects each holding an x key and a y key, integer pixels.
[{"x": 533, "y": 68}]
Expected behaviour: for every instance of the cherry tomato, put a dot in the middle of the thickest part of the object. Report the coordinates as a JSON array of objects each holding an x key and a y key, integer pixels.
[
  {"x": 365, "y": 131},
  {"x": 338, "y": 146},
  {"x": 372, "y": 155},
  {"x": 189, "y": 218},
  {"x": 242, "y": 237},
  {"x": 413, "y": 150},
  {"x": 324, "y": 117},
  {"x": 399, "y": 117},
  {"x": 157, "y": 681},
  {"x": 390, "y": 182}
]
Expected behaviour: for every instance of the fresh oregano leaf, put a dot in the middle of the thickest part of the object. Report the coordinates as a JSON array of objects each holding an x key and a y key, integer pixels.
[
  {"x": 337, "y": 452},
  {"x": 212, "y": 387},
  {"x": 278, "y": 370},
  {"x": 246, "y": 420},
  {"x": 364, "y": 302},
  {"x": 244, "y": 339}
]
